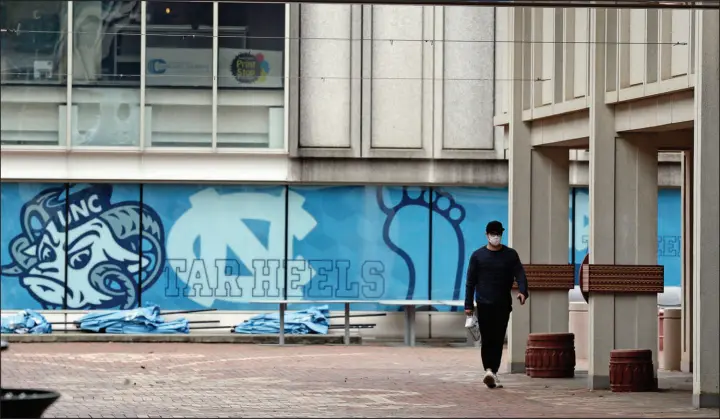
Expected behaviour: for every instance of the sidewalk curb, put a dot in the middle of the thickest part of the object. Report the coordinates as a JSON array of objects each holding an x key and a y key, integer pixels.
[{"x": 189, "y": 338}]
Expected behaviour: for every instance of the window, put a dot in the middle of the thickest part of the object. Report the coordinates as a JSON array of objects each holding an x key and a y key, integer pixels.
[
  {"x": 105, "y": 73},
  {"x": 179, "y": 74},
  {"x": 250, "y": 75},
  {"x": 143, "y": 74},
  {"x": 33, "y": 57}
]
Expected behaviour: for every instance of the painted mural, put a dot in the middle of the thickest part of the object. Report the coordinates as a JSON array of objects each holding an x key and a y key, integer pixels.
[
  {"x": 669, "y": 231},
  {"x": 230, "y": 247}
]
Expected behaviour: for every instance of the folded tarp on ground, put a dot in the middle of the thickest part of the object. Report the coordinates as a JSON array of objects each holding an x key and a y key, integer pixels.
[
  {"x": 24, "y": 322},
  {"x": 140, "y": 320},
  {"x": 314, "y": 320}
]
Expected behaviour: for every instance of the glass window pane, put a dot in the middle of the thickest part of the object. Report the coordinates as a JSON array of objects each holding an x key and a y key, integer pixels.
[
  {"x": 250, "y": 75},
  {"x": 106, "y": 73},
  {"x": 179, "y": 74},
  {"x": 581, "y": 240},
  {"x": 224, "y": 245},
  {"x": 31, "y": 215},
  {"x": 34, "y": 72},
  {"x": 460, "y": 215},
  {"x": 358, "y": 242}
]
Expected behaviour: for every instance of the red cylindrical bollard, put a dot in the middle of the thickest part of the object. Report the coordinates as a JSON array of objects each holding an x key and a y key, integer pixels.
[
  {"x": 550, "y": 355},
  {"x": 631, "y": 370}
]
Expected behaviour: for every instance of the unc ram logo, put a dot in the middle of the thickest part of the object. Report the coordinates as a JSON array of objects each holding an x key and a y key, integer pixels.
[{"x": 103, "y": 262}]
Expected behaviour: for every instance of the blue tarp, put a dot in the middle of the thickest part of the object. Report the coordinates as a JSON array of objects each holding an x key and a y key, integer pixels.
[
  {"x": 314, "y": 320},
  {"x": 140, "y": 320},
  {"x": 26, "y": 321}
]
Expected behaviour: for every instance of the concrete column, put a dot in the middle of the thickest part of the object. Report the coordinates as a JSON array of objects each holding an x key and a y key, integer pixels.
[
  {"x": 578, "y": 325},
  {"x": 627, "y": 237},
  {"x": 602, "y": 199},
  {"x": 547, "y": 309},
  {"x": 671, "y": 339},
  {"x": 706, "y": 268},
  {"x": 623, "y": 224},
  {"x": 549, "y": 212},
  {"x": 687, "y": 257},
  {"x": 519, "y": 184}
]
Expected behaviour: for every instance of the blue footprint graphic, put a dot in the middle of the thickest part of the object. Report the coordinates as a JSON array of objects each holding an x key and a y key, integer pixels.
[{"x": 444, "y": 205}]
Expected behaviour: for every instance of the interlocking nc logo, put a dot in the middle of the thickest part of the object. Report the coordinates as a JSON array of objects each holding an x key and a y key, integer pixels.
[{"x": 218, "y": 225}]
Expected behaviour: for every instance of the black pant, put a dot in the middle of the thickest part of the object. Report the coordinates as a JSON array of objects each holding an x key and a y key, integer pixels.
[{"x": 493, "y": 321}]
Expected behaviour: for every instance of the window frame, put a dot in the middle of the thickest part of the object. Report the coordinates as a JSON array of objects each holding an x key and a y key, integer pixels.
[{"x": 142, "y": 147}]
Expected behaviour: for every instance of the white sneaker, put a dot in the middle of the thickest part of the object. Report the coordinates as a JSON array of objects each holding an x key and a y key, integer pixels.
[
  {"x": 497, "y": 381},
  {"x": 490, "y": 380}
]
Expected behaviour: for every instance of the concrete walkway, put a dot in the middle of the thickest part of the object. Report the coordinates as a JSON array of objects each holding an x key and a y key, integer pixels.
[{"x": 221, "y": 380}]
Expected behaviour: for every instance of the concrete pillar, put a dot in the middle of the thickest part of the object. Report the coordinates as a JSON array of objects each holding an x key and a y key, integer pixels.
[
  {"x": 623, "y": 224},
  {"x": 672, "y": 339},
  {"x": 578, "y": 326},
  {"x": 519, "y": 183},
  {"x": 706, "y": 228},
  {"x": 687, "y": 258},
  {"x": 601, "y": 185},
  {"x": 628, "y": 236},
  {"x": 547, "y": 309}
]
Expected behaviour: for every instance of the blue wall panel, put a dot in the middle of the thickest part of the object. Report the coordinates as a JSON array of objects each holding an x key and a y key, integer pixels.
[
  {"x": 101, "y": 223},
  {"x": 195, "y": 246},
  {"x": 224, "y": 245},
  {"x": 460, "y": 216},
  {"x": 670, "y": 234},
  {"x": 358, "y": 242},
  {"x": 29, "y": 280},
  {"x": 669, "y": 231}
]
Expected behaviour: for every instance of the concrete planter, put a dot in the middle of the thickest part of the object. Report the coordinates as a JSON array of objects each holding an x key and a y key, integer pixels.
[
  {"x": 550, "y": 355},
  {"x": 631, "y": 370}
]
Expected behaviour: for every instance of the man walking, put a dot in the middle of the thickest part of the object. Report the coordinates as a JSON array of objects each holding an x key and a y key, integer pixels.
[{"x": 491, "y": 272}]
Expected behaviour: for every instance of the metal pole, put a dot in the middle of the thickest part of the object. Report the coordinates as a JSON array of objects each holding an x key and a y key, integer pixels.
[
  {"x": 282, "y": 324},
  {"x": 347, "y": 324}
]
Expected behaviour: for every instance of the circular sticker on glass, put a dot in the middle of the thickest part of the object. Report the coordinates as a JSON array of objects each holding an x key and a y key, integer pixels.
[{"x": 249, "y": 68}]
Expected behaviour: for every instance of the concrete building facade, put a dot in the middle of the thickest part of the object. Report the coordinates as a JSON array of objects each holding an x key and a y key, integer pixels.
[
  {"x": 624, "y": 85},
  {"x": 188, "y": 114}
]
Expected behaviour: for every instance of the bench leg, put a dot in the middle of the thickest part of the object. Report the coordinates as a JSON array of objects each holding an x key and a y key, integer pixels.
[
  {"x": 282, "y": 324},
  {"x": 410, "y": 325},
  {"x": 347, "y": 324}
]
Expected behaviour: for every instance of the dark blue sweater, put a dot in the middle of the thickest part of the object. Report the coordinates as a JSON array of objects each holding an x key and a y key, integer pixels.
[{"x": 490, "y": 277}]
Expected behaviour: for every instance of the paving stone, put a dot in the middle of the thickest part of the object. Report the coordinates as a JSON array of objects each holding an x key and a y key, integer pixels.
[{"x": 150, "y": 380}]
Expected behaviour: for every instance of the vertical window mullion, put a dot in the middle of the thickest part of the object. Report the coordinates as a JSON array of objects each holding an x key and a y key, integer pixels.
[
  {"x": 143, "y": 70},
  {"x": 68, "y": 76},
  {"x": 215, "y": 52}
]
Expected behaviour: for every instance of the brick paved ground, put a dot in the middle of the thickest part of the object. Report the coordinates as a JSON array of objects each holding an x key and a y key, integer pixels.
[{"x": 201, "y": 380}]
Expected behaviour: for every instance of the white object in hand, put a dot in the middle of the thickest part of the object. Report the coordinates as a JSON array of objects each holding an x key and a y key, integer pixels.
[{"x": 471, "y": 324}]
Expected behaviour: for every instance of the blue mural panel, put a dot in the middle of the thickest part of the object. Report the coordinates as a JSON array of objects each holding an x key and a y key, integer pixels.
[
  {"x": 224, "y": 245},
  {"x": 32, "y": 239},
  {"x": 101, "y": 225},
  {"x": 459, "y": 218},
  {"x": 669, "y": 231},
  {"x": 580, "y": 212},
  {"x": 670, "y": 235},
  {"x": 358, "y": 242}
]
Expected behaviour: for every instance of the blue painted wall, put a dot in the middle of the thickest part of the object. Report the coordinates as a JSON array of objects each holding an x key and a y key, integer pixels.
[
  {"x": 669, "y": 231},
  {"x": 194, "y": 246}
]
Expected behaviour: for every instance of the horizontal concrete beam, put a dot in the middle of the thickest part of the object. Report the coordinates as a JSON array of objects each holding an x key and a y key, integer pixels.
[
  {"x": 276, "y": 168},
  {"x": 669, "y": 174},
  {"x": 404, "y": 172}
]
